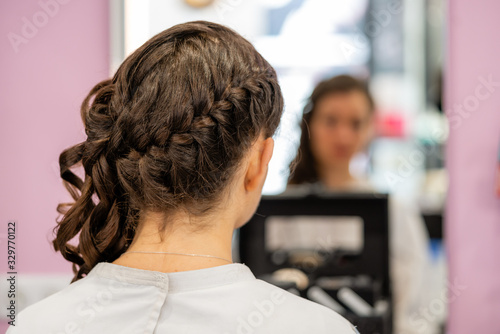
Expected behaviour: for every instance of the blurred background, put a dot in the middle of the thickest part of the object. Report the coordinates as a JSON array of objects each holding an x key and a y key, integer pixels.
[
  {"x": 413, "y": 54},
  {"x": 397, "y": 47}
]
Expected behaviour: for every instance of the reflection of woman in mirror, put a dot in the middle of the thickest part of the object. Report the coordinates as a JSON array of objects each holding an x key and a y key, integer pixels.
[{"x": 337, "y": 124}]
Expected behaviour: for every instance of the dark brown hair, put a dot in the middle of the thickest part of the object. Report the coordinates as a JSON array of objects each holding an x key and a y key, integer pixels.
[
  {"x": 167, "y": 131},
  {"x": 303, "y": 167}
]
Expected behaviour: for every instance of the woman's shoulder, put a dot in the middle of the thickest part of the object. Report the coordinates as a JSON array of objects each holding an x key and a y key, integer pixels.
[
  {"x": 69, "y": 309},
  {"x": 300, "y": 314},
  {"x": 41, "y": 316},
  {"x": 91, "y": 302}
]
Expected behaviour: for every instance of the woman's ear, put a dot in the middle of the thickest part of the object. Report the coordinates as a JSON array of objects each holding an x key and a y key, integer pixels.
[{"x": 260, "y": 155}]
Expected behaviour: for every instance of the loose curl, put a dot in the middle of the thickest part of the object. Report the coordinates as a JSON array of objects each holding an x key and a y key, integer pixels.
[{"x": 167, "y": 131}]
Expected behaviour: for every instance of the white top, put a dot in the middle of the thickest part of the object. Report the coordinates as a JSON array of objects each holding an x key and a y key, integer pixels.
[
  {"x": 409, "y": 260},
  {"x": 224, "y": 299}
]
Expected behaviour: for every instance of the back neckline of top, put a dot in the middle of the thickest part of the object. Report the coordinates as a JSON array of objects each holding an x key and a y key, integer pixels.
[{"x": 177, "y": 281}]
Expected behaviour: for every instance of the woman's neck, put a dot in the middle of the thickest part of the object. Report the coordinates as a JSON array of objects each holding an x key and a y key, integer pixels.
[
  {"x": 214, "y": 240},
  {"x": 336, "y": 177}
]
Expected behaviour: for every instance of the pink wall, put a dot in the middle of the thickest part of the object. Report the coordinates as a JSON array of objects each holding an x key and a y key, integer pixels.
[
  {"x": 41, "y": 87},
  {"x": 473, "y": 210}
]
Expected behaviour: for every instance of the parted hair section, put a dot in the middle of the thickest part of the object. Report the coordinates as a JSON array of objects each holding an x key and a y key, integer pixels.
[{"x": 167, "y": 131}]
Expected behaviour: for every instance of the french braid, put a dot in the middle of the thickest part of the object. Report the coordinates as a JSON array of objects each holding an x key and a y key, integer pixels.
[{"x": 167, "y": 131}]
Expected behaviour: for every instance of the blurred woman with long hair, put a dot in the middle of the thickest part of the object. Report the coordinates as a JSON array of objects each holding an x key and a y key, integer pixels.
[{"x": 338, "y": 123}]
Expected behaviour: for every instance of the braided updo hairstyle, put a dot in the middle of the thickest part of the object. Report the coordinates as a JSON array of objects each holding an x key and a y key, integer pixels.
[{"x": 168, "y": 130}]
